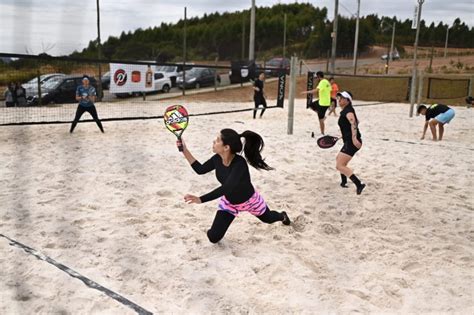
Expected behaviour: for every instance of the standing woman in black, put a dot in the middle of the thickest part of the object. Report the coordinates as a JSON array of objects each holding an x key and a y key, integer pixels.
[
  {"x": 349, "y": 125},
  {"x": 259, "y": 95}
]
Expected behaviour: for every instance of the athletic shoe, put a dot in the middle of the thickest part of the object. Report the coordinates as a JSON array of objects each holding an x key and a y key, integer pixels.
[{"x": 360, "y": 188}]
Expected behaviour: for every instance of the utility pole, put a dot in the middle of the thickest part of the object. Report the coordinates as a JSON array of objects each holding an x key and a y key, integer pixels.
[
  {"x": 413, "y": 77},
  {"x": 184, "y": 53},
  {"x": 334, "y": 38},
  {"x": 356, "y": 40},
  {"x": 99, "y": 53},
  {"x": 252, "y": 32},
  {"x": 446, "y": 43},
  {"x": 431, "y": 60},
  {"x": 393, "y": 41},
  {"x": 243, "y": 36},
  {"x": 284, "y": 37},
  {"x": 390, "y": 52}
]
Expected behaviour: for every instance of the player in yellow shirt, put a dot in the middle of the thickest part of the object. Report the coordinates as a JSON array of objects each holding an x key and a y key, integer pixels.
[{"x": 324, "y": 101}]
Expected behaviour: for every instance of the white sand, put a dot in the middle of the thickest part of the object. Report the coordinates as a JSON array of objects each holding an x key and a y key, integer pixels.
[{"x": 110, "y": 206}]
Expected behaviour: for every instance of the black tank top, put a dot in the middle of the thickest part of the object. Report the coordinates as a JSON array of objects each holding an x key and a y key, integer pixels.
[{"x": 345, "y": 125}]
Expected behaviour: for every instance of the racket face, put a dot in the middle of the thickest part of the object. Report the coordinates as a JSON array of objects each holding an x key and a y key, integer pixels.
[
  {"x": 176, "y": 119},
  {"x": 327, "y": 142}
]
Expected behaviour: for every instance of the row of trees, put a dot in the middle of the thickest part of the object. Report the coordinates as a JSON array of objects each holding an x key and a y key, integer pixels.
[{"x": 308, "y": 35}]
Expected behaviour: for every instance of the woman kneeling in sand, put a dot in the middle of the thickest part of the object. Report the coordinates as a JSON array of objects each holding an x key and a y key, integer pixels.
[{"x": 236, "y": 191}]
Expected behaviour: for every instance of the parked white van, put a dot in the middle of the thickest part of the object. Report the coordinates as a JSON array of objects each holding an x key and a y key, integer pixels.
[{"x": 133, "y": 79}]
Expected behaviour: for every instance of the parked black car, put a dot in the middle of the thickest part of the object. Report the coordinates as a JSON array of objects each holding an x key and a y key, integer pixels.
[
  {"x": 106, "y": 81},
  {"x": 275, "y": 65},
  {"x": 243, "y": 71},
  {"x": 198, "y": 77},
  {"x": 60, "y": 90}
]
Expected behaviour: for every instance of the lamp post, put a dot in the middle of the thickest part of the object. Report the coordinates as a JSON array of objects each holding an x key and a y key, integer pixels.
[
  {"x": 356, "y": 40},
  {"x": 252, "y": 32},
  {"x": 413, "y": 77},
  {"x": 446, "y": 43},
  {"x": 334, "y": 38},
  {"x": 99, "y": 52}
]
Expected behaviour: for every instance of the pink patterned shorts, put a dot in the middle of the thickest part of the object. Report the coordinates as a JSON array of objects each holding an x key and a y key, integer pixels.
[{"x": 255, "y": 205}]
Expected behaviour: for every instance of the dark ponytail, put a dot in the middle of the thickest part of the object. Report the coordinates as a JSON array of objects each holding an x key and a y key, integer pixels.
[{"x": 253, "y": 146}]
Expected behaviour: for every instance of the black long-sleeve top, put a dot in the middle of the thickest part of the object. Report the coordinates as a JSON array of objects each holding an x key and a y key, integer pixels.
[{"x": 235, "y": 179}]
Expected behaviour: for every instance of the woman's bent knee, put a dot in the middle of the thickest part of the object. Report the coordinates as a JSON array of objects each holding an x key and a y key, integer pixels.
[{"x": 213, "y": 236}]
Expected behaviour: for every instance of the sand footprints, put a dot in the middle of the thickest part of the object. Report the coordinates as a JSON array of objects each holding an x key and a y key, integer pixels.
[
  {"x": 411, "y": 266},
  {"x": 132, "y": 202},
  {"x": 330, "y": 229},
  {"x": 299, "y": 223},
  {"x": 164, "y": 193}
]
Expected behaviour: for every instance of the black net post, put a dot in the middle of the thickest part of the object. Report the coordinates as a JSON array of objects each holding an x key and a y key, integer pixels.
[
  {"x": 309, "y": 87},
  {"x": 281, "y": 88}
]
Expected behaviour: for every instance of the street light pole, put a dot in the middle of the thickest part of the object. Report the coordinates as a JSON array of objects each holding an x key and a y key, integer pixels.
[
  {"x": 334, "y": 38},
  {"x": 243, "y": 36},
  {"x": 252, "y": 32},
  {"x": 284, "y": 37},
  {"x": 184, "y": 51},
  {"x": 356, "y": 40},
  {"x": 413, "y": 77},
  {"x": 393, "y": 41},
  {"x": 446, "y": 44},
  {"x": 99, "y": 52},
  {"x": 390, "y": 52}
]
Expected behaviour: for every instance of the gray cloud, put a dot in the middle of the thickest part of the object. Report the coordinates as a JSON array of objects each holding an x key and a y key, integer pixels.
[{"x": 67, "y": 26}]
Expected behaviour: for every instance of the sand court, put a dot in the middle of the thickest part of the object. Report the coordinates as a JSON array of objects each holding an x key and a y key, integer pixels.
[{"x": 110, "y": 207}]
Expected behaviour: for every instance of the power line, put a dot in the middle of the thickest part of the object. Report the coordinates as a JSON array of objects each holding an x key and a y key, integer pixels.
[{"x": 348, "y": 11}]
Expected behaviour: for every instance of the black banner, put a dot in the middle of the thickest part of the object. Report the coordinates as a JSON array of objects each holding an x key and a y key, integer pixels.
[
  {"x": 281, "y": 89},
  {"x": 309, "y": 87}
]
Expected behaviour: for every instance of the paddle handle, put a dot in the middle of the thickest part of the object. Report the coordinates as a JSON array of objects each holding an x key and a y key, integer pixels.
[{"x": 179, "y": 143}]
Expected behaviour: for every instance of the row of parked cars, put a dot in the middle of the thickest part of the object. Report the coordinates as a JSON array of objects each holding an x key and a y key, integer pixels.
[
  {"x": 243, "y": 70},
  {"x": 61, "y": 88},
  {"x": 55, "y": 88}
]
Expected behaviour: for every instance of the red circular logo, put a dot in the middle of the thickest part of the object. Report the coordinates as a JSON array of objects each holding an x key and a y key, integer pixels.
[{"x": 120, "y": 77}]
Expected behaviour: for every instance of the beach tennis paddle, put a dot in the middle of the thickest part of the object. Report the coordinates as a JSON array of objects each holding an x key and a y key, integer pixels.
[
  {"x": 326, "y": 142},
  {"x": 176, "y": 120}
]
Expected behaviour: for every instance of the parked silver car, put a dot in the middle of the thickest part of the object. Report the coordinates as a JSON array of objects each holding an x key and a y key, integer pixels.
[
  {"x": 395, "y": 55},
  {"x": 31, "y": 86}
]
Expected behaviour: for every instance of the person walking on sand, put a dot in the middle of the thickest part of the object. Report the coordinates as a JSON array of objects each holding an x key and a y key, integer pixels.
[
  {"x": 259, "y": 95},
  {"x": 236, "y": 192}
]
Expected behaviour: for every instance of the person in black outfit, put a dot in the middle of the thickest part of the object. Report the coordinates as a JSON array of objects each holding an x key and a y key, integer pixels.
[
  {"x": 20, "y": 93},
  {"x": 348, "y": 123},
  {"x": 236, "y": 192},
  {"x": 10, "y": 95},
  {"x": 469, "y": 101},
  {"x": 436, "y": 115},
  {"x": 259, "y": 95},
  {"x": 86, "y": 95}
]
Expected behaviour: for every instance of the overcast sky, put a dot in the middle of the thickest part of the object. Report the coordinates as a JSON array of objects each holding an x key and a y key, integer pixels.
[{"x": 62, "y": 26}]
